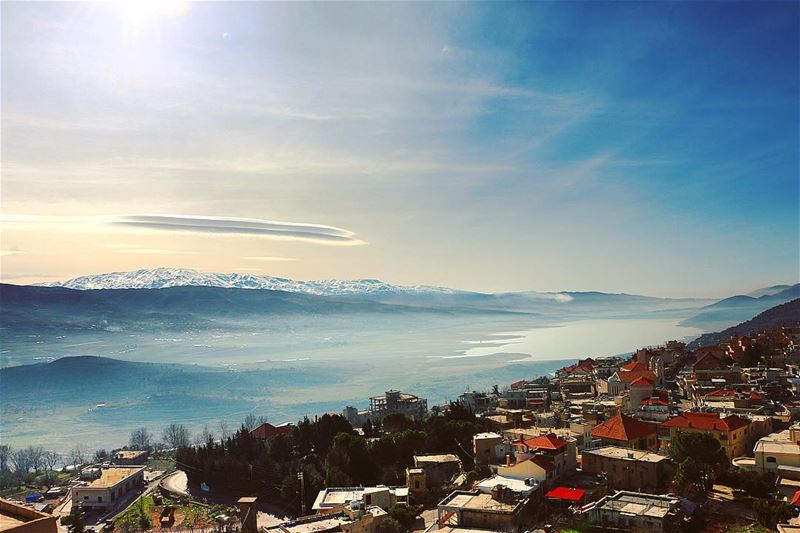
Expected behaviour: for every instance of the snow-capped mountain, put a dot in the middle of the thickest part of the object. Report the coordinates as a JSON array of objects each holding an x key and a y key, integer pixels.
[{"x": 160, "y": 278}]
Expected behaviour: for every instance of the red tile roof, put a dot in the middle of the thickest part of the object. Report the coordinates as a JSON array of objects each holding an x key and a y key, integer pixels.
[
  {"x": 550, "y": 441},
  {"x": 642, "y": 381},
  {"x": 707, "y": 422},
  {"x": 267, "y": 431},
  {"x": 708, "y": 362},
  {"x": 566, "y": 493},
  {"x": 796, "y": 499},
  {"x": 633, "y": 365},
  {"x": 624, "y": 428},
  {"x": 728, "y": 393},
  {"x": 632, "y": 375},
  {"x": 654, "y": 401}
]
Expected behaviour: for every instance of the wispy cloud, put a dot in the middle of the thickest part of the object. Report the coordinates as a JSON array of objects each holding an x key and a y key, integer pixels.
[
  {"x": 241, "y": 226},
  {"x": 268, "y": 258}
]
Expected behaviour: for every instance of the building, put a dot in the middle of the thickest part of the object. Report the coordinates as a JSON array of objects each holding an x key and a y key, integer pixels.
[
  {"x": 559, "y": 452},
  {"x": 484, "y": 447},
  {"x": 110, "y": 485},
  {"x": 353, "y": 519},
  {"x": 266, "y": 430},
  {"x": 478, "y": 402},
  {"x": 778, "y": 453},
  {"x": 635, "y": 511},
  {"x": 501, "y": 510},
  {"x": 731, "y": 431},
  {"x": 628, "y": 469},
  {"x": 16, "y": 518},
  {"x": 335, "y": 499},
  {"x": 130, "y": 457},
  {"x": 393, "y": 401},
  {"x": 627, "y": 432},
  {"x": 417, "y": 485},
  {"x": 440, "y": 468}
]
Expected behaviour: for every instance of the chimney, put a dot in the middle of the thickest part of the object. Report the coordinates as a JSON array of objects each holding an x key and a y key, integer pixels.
[
  {"x": 248, "y": 514},
  {"x": 508, "y": 459}
]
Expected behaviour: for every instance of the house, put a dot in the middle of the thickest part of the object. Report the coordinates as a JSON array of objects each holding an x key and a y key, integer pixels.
[
  {"x": 130, "y": 457},
  {"x": 393, "y": 401},
  {"x": 484, "y": 447},
  {"x": 635, "y": 511},
  {"x": 439, "y": 468},
  {"x": 732, "y": 431},
  {"x": 627, "y": 432},
  {"x": 351, "y": 519},
  {"x": 15, "y": 518},
  {"x": 266, "y": 430},
  {"x": 560, "y": 452},
  {"x": 621, "y": 380},
  {"x": 778, "y": 453},
  {"x": 628, "y": 469},
  {"x": 335, "y": 499},
  {"x": 112, "y": 484},
  {"x": 639, "y": 390},
  {"x": 500, "y": 510},
  {"x": 538, "y": 468}
]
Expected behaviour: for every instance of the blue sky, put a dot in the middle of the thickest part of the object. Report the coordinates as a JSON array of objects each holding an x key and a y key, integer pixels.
[{"x": 642, "y": 147}]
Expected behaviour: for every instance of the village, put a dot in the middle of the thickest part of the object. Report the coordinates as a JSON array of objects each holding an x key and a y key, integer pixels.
[{"x": 669, "y": 438}]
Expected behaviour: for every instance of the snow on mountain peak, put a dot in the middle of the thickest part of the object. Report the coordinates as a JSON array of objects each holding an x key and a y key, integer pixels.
[{"x": 159, "y": 278}]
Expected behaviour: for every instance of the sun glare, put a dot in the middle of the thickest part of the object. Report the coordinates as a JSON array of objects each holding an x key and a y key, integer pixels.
[{"x": 140, "y": 12}]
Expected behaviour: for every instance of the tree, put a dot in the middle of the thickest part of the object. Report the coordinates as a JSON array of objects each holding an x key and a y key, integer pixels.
[
  {"x": 704, "y": 450},
  {"x": 689, "y": 478},
  {"x": 404, "y": 514},
  {"x": 250, "y": 422},
  {"x": 5, "y": 455},
  {"x": 77, "y": 455},
  {"x": 177, "y": 436},
  {"x": 389, "y": 525},
  {"x": 78, "y": 524},
  {"x": 101, "y": 455},
  {"x": 50, "y": 459},
  {"x": 224, "y": 431},
  {"x": 140, "y": 439},
  {"x": 396, "y": 422},
  {"x": 204, "y": 436}
]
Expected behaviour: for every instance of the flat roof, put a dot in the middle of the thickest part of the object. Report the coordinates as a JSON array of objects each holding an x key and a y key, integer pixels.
[
  {"x": 478, "y": 502},
  {"x": 436, "y": 458},
  {"x": 627, "y": 454},
  {"x": 129, "y": 454},
  {"x": 111, "y": 476},
  {"x": 13, "y": 515}
]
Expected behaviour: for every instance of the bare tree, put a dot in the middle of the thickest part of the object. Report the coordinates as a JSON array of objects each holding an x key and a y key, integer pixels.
[
  {"x": 21, "y": 459},
  {"x": 37, "y": 458},
  {"x": 177, "y": 436},
  {"x": 50, "y": 459},
  {"x": 223, "y": 429},
  {"x": 77, "y": 455},
  {"x": 204, "y": 436},
  {"x": 250, "y": 422},
  {"x": 5, "y": 455},
  {"x": 141, "y": 439}
]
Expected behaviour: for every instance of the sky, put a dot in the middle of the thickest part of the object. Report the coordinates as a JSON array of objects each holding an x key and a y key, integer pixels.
[{"x": 648, "y": 147}]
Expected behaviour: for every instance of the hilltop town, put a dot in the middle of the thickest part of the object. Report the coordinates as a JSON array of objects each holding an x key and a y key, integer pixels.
[{"x": 669, "y": 438}]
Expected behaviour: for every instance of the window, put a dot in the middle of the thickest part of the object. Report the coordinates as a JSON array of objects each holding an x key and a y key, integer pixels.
[
  {"x": 416, "y": 484},
  {"x": 85, "y": 497},
  {"x": 771, "y": 460},
  {"x": 99, "y": 499}
]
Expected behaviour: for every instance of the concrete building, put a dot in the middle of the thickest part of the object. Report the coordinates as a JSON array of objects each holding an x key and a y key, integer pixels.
[
  {"x": 628, "y": 469},
  {"x": 439, "y": 468},
  {"x": 16, "y": 518},
  {"x": 484, "y": 447},
  {"x": 111, "y": 484},
  {"x": 130, "y": 457},
  {"x": 778, "y": 453},
  {"x": 393, "y": 401},
  {"x": 417, "y": 485},
  {"x": 559, "y": 452},
  {"x": 351, "y": 519},
  {"x": 501, "y": 510},
  {"x": 635, "y": 511},
  {"x": 335, "y": 499}
]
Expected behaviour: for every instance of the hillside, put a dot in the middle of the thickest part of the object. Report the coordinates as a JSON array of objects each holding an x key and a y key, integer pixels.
[
  {"x": 787, "y": 314},
  {"x": 736, "y": 309}
]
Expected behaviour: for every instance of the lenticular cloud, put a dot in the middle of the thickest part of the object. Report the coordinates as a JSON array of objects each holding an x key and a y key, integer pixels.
[{"x": 241, "y": 226}]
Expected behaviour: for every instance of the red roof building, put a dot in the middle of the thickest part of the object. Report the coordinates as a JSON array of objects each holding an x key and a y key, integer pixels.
[
  {"x": 633, "y": 365},
  {"x": 551, "y": 441},
  {"x": 623, "y": 430},
  {"x": 266, "y": 430},
  {"x": 732, "y": 431}
]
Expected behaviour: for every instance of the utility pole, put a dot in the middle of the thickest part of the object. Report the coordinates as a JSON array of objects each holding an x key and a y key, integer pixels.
[{"x": 302, "y": 479}]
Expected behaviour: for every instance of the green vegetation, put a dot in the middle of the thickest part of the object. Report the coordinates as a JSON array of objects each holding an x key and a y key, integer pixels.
[
  {"x": 137, "y": 516},
  {"x": 329, "y": 453},
  {"x": 699, "y": 457}
]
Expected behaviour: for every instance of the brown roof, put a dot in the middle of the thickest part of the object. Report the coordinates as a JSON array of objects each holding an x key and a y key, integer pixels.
[
  {"x": 624, "y": 428},
  {"x": 550, "y": 441},
  {"x": 267, "y": 431},
  {"x": 632, "y": 375}
]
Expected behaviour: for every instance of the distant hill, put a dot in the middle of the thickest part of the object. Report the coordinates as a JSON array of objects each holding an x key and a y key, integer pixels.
[
  {"x": 787, "y": 314},
  {"x": 740, "y": 308}
]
